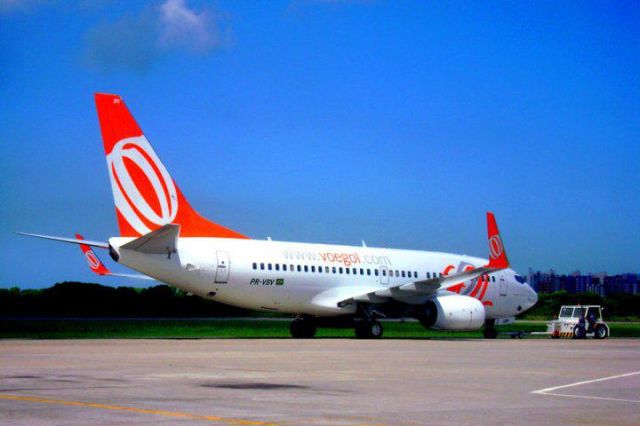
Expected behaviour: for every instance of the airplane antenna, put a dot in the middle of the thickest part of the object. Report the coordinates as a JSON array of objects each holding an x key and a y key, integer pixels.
[{"x": 364, "y": 244}]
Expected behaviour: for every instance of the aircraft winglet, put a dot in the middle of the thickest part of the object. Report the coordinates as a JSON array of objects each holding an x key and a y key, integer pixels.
[{"x": 497, "y": 254}]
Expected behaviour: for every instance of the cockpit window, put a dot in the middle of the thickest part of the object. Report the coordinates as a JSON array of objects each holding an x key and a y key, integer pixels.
[{"x": 520, "y": 279}]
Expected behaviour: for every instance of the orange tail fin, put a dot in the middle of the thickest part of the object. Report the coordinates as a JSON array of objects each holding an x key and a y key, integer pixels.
[
  {"x": 145, "y": 194},
  {"x": 497, "y": 253}
]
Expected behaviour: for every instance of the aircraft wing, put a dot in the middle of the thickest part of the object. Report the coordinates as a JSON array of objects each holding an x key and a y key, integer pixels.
[
  {"x": 96, "y": 265},
  {"x": 497, "y": 261}
]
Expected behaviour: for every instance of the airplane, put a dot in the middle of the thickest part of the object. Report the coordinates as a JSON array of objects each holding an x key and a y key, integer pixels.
[{"x": 322, "y": 285}]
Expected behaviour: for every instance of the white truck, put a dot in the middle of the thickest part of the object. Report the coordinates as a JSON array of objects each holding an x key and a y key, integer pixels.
[{"x": 579, "y": 322}]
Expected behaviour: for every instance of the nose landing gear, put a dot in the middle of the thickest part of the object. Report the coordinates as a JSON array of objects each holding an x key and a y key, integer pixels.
[{"x": 490, "y": 331}]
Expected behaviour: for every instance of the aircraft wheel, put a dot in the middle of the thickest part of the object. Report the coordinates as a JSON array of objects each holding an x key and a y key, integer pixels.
[
  {"x": 302, "y": 328},
  {"x": 490, "y": 333},
  {"x": 369, "y": 330},
  {"x": 600, "y": 332}
]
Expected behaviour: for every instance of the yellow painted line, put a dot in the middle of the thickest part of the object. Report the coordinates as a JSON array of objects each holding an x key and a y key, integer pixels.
[{"x": 164, "y": 413}]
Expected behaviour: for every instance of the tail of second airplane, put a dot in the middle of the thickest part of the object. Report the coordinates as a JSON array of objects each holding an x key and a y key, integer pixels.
[{"x": 145, "y": 194}]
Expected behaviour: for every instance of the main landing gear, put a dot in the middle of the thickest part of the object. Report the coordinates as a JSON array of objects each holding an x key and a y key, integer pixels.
[
  {"x": 303, "y": 328},
  {"x": 368, "y": 329}
]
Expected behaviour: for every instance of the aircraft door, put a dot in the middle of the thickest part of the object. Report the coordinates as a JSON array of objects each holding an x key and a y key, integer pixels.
[
  {"x": 384, "y": 274},
  {"x": 222, "y": 270},
  {"x": 503, "y": 284}
]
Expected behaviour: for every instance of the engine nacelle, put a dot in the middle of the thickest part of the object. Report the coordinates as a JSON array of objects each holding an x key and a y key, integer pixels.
[{"x": 453, "y": 312}]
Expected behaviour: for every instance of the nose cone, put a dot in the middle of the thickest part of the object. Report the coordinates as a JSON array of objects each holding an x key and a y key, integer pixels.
[{"x": 532, "y": 298}]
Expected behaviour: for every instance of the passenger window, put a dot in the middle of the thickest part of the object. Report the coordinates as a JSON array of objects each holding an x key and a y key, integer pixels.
[
  {"x": 384, "y": 272},
  {"x": 299, "y": 268},
  {"x": 306, "y": 268},
  {"x": 415, "y": 274},
  {"x": 326, "y": 269},
  {"x": 361, "y": 271},
  {"x": 333, "y": 269},
  {"x": 319, "y": 269},
  {"x": 429, "y": 275},
  {"x": 277, "y": 266},
  {"x": 284, "y": 267},
  {"x": 494, "y": 278},
  {"x": 269, "y": 266},
  {"x": 368, "y": 271},
  {"x": 354, "y": 271},
  {"x": 397, "y": 273},
  {"x": 255, "y": 265},
  {"x": 402, "y": 274},
  {"x": 340, "y": 269},
  {"x": 262, "y": 266},
  {"x": 313, "y": 268},
  {"x": 347, "y": 271},
  {"x": 292, "y": 268},
  {"x": 375, "y": 271}
]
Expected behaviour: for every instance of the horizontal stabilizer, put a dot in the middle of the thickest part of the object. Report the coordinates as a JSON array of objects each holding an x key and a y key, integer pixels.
[
  {"x": 161, "y": 241},
  {"x": 68, "y": 240},
  {"x": 99, "y": 268}
]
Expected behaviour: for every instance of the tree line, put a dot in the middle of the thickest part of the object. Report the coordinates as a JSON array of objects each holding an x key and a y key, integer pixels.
[
  {"x": 76, "y": 299},
  {"x": 619, "y": 306}
]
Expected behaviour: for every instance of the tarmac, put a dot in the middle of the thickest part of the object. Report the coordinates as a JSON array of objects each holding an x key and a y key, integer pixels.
[{"x": 319, "y": 382}]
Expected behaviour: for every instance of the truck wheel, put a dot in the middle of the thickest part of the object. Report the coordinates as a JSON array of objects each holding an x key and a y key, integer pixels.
[
  {"x": 579, "y": 332},
  {"x": 600, "y": 332}
]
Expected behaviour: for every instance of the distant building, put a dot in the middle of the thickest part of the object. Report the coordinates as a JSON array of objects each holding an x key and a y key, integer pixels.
[{"x": 599, "y": 283}]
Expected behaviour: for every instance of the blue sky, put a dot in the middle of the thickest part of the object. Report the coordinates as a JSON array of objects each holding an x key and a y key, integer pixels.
[{"x": 399, "y": 123}]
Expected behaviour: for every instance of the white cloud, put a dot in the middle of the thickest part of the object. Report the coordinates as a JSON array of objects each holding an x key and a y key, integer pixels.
[
  {"x": 184, "y": 27},
  {"x": 136, "y": 42}
]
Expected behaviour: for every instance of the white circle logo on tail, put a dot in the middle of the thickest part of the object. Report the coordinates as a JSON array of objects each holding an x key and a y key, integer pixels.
[
  {"x": 130, "y": 201},
  {"x": 495, "y": 246},
  {"x": 94, "y": 263}
]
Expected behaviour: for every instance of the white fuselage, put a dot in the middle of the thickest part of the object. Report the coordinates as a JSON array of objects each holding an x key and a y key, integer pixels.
[{"x": 307, "y": 279}]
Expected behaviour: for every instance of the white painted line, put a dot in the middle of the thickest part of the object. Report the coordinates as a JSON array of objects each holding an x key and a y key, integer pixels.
[
  {"x": 591, "y": 397},
  {"x": 549, "y": 391},
  {"x": 586, "y": 382}
]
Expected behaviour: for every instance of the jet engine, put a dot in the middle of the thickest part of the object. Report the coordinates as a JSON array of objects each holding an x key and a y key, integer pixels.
[{"x": 452, "y": 312}]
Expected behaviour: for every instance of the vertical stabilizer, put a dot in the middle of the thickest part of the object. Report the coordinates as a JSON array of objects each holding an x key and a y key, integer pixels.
[{"x": 145, "y": 194}]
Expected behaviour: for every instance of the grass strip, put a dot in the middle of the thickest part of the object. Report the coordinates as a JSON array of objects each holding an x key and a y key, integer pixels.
[{"x": 192, "y": 329}]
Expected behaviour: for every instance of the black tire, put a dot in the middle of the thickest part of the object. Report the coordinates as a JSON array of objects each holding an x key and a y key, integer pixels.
[
  {"x": 579, "y": 332},
  {"x": 302, "y": 328},
  {"x": 369, "y": 330},
  {"x": 490, "y": 333},
  {"x": 600, "y": 332}
]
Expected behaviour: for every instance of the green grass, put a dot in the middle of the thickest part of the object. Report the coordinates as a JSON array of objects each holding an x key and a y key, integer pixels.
[{"x": 194, "y": 329}]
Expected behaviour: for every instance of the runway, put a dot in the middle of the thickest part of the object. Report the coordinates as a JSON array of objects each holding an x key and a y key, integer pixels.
[{"x": 319, "y": 382}]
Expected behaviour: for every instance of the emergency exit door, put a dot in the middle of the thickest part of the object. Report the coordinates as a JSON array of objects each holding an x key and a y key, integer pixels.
[{"x": 222, "y": 271}]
